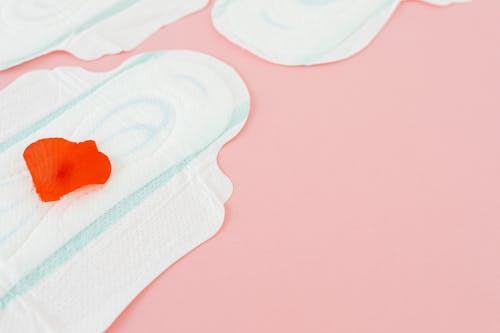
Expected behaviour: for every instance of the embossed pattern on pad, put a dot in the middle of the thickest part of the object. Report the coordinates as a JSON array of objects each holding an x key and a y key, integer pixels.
[
  {"x": 74, "y": 264},
  {"x": 88, "y": 29},
  {"x": 304, "y": 32}
]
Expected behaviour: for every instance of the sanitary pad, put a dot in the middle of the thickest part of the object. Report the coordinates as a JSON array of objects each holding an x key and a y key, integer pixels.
[
  {"x": 161, "y": 118},
  {"x": 304, "y": 32},
  {"x": 86, "y": 28}
]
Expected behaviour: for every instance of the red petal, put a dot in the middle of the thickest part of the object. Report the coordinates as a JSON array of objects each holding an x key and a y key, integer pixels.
[{"x": 59, "y": 166}]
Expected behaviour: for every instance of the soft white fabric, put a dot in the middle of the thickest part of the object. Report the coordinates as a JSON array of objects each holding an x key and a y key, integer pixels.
[
  {"x": 304, "y": 32},
  {"x": 86, "y": 28},
  {"x": 74, "y": 264}
]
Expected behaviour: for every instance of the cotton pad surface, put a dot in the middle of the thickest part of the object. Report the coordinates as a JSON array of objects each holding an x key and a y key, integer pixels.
[
  {"x": 304, "y": 32},
  {"x": 161, "y": 118},
  {"x": 86, "y": 28}
]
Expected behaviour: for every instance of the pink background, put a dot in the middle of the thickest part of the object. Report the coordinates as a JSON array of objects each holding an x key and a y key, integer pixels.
[{"x": 367, "y": 192}]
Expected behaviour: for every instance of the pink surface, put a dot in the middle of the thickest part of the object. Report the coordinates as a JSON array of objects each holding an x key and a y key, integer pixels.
[{"x": 367, "y": 192}]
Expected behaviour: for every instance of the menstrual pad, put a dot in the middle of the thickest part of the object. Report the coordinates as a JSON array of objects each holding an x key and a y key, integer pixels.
[
  {"x": 304, "y": 32},
  {"x": 161, "y": 118},
  {"x": 88, "y": 29}
]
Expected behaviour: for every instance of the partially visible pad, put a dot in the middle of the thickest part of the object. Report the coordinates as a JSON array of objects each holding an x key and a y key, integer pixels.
[
  {"x": 304, "y": 32},
  {"x": 161, "y": 118},
  {"x": 88, "y": 29}
]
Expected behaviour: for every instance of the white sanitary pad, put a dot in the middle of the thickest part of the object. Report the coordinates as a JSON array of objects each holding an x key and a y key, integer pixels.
[
  {"x": 86, "y": 28},
  {"x": 73, "y": 265},
  {"x": 304, "y": 32}
]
